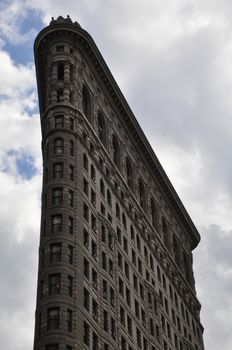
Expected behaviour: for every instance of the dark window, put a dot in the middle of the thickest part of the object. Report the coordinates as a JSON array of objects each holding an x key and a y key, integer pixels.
[
  {"x": 70, "y": 198},
  {"x": 116, "y": 151},
  {"x": 86, "y": 333},
  {"x": 57, "y": 196},
  {"x": 55, "y": 252},
  {"x": 93, "y": 173},
  {"x": 102, "y": 187},
  {"x": 86, "y": 103},
  {"x": 70, "y": 225},
  {"x": 71, "y": 123},
  {"x": 70, "y": 286},
  {"x": 105, "y": 321},
  {"x": 109, "y": 199},
  {"x": 71, "y": 172},
  {"x": 95, "y": 341},
  {"x": 86, "y": 268},
  {"x": 176, "y": 250},
  {"x": 59, "y": 48},
  {"x": 54, "y": 281},
  {"x": 86, "y": 299},
  {"x": 56, "y": 223},
  {"x": 53, "y": 318},
  {"x": 154, "y": 214},
  {"x": 57, "y": 170},
  {"x": 141, "y": 194},
  {"x": 129, "y": 173},
  {"x": 70, "y": 254},
  {"x": 69, "y": 320},
  {"x": 85, "y": 163},
  {"x": 52, "y": 347},
  {"x": 95, "y": 309},
  {"x": 60, "y": 71},
  {"x": 58, "y": 146},
  {"x": 101, "y": 128},
  {"x": 71, "y": 148},
  {"x": 59, "y": 121}
]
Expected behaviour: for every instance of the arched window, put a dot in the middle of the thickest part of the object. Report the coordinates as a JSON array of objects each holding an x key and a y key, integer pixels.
[
  {"x": 129, "y": 173},
  {"x": 116, "y": 151},
  {"x": 85, "y": 163},
  {"x": 141, "y": 194},
  {"x": 154, "y": 214},
  {"x": 101, "y": 128},
  {"x": 60, "y": 71},
  {"x": 176, "y": 250},
  {"x": 165, "y": 231},
  {"x": 58, "y": 146},
  {"x": 86, "y": 102}
]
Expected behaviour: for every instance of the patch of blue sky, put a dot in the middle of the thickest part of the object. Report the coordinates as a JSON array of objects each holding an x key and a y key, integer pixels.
[
  {"x": 24, "y": 164},
  {"x": 29, "y": 26}
]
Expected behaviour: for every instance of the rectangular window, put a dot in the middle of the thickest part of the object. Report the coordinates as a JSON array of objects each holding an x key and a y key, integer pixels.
[
  {"x": 69, "y": 320},
  {"x": 105, "y": 321},
  {"x": 70, "y": 254},
  {"x": 112, "y": 297},
  {"x": 56, "y": 223},
  {"x": 53, "y": 318},
  {"x": 94, "y": 250},
  {"x": 52, "y": 347},
  {"x": 70, "y": 286},
  {"x": 104, "y": 287},
  {"x": 59, "y": 121},
  {"x": 70, "y": 198},
  {"x": 57, "y": 196},
  {"x": 104, "y": 260},
  {"x": 95, "y": 310},
  {"x": 57, "y": 170},
  {"x": 86, "y": 268},
  {"x": 86, "y": 299},
  {"x": 86, "y": 333},
  {"x": 71, "y": 172},
  {"x": 54, "y": 281},
  {"x": 94, "y": 278},
  {"x": 70, "y": 225},
  {"x": 95, "y": 341},
  {"x": 55, "y": 252}
]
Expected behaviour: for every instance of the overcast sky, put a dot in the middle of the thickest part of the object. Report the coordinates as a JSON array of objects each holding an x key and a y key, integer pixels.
[{"x": 172, "y": 60}]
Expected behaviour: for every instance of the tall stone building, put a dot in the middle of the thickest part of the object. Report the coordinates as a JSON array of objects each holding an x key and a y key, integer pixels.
[{"x": 115, "y": 255}]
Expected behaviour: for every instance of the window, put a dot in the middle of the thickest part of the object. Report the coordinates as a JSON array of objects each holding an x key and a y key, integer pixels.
[
  {"x": 129, "y": 173},
  {"x": 138, "y": 335},
  {"x": 154, "y": 214},
  {"x": 69, "y": 320},
  {"x": 109, "y": 199},
  {"x": 176, "y": 250},
  {"x": 95, "y": 341},
  {"x": 86, "y": 103},
  {"x": 94, "y": 278},
  {"x": 70, "y": 286},
  {"x": 113, "y": 328},
  {"x": 71, "y": 123},
  {"x": 129, "y": 325},
  {"x": 85, "y": 163},
  {"x": 118, "y": 216},
  {"x": 70, "y": 198},
  {"x": 141, "y": 194},
  {"x": 70, "y": 254},
  {"x": 86, "y": 299},
  {"x": 60, "y": 71},
  {"x": 53, "y": 318},
  {"x": 102, "y": 187},
  {"x": 55, "y": 252},
  {"x": 52, "y": 347},
  {"x": 59, "y": 121},
  {"x": 94, "y": 250},
  {"x": 58, "y": 146},
  {"x": 70, "y": 225},
  {"x": 57, "y": 170},
  {"x": 105, "y": 321},
  {"x": 86, "y": 333},
  {"x": 116, "y": 151},
  {"x": 101, "y": 128},
  {"x": 165, "y": 231},
  {"x": 93, "y": 173},
  {"x": 86, "y": 212},
  {"x": 71, "y": 148},
  {"x": 95, "y": 310},
  {"x": 112, "y": 297},
  {"x": 57, "y": 196},
  {"x": 104, "y": 288},
  {"x": 86, "y": 268},
  {"x": 56, "y": 223},
  {"x": 54, "y": 284},
  {"x": 122, "y": 316},
  {"x": 138, "y": 242},
  {"x": 104, "y": 260}
]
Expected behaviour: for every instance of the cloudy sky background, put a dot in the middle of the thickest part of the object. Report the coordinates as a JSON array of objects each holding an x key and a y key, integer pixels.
[{"x": 173, "y": 62}]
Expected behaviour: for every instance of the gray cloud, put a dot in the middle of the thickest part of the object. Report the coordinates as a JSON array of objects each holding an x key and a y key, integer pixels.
[{"x": 172, "y": 60}]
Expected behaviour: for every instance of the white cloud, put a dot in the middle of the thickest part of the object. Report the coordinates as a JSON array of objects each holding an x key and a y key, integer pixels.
[{"x": 172, "y": 60}]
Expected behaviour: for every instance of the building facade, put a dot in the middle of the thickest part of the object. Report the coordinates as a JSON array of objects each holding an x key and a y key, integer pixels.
[{"x": 115, "y": 255}]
